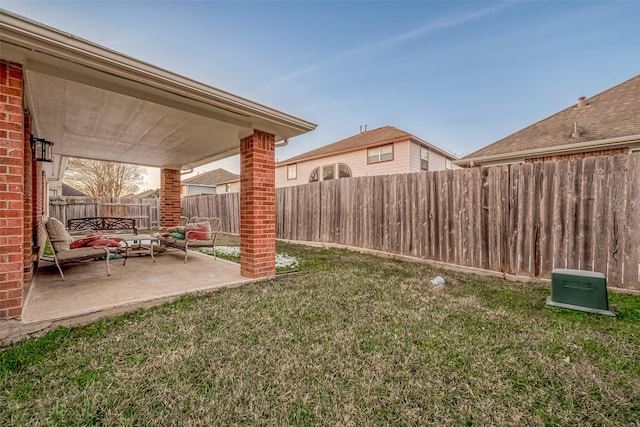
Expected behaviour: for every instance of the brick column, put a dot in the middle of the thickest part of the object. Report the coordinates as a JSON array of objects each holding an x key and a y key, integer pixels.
[
  {"x": 170, "y": 209},
  {"x": 11, "y": 189},
  {"x": 257, "y": 205}
]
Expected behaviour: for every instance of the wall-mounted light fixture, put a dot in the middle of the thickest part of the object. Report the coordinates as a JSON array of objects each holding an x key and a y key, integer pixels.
[{"x": 41, "y": 149}]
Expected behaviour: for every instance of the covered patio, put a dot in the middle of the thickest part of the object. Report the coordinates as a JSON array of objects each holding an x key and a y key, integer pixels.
[
  {"x": 87, "y": 289},
  {"x": 95, "y": 103}
]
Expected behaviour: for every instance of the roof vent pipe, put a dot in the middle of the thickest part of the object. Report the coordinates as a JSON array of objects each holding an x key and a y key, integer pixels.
[
  {"x": 582, "y": 101},
  {"x": 575, "y": 133}
]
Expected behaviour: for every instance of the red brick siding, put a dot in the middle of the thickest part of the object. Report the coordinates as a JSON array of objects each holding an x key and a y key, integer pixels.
[
  {"x": 257, "y": 205},
  {"x": 170, "y": 208},
  {"x": 12, "y": 159}
]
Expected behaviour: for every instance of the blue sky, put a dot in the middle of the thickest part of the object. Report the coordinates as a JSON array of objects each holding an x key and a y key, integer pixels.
[{"x": 459, "y": 74}]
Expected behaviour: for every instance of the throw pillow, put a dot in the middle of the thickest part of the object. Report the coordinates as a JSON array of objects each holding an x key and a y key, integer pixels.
[
  {"x": 203, "y": 224},
  {"x": 177, "y": 235},
  {"x": 60, "y": 238},
  {"x": 112, "y": 243},
  {"x": 83, "y": 242},
  {"x": 198, "y": 233}
]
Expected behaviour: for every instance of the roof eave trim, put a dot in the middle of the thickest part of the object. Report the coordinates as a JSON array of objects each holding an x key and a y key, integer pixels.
[
  {"x": 520, "y": 156},
  {"x": 27, "y": 34},
  {"x": 344, "y": 150},
  {"x": 434, "y": 148}
]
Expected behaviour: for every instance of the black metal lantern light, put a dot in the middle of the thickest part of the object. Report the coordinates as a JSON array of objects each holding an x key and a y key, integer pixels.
[{"x": 41, "y": 149}]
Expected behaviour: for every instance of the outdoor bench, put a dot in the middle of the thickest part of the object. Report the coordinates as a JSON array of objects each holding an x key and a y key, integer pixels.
[{"x": 80, "y": 225}]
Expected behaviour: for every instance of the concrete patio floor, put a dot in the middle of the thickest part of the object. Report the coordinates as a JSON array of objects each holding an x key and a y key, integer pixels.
[{"x": 141, "y": 282}]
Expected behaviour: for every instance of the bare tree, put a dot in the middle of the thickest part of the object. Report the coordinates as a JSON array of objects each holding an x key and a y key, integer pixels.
[{"x": 108, "y": 179}]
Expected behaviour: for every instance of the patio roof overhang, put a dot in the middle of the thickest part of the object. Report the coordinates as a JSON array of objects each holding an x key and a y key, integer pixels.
[{"x": 96, "y": 103}]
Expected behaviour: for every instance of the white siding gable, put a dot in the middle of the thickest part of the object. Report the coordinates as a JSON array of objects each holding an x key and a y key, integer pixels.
[
  {"x": 355, "y": 160},
  {"x": 406, "y": 158}
]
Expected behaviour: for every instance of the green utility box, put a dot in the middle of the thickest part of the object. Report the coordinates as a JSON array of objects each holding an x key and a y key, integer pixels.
[{"x": 579, "y": 290}]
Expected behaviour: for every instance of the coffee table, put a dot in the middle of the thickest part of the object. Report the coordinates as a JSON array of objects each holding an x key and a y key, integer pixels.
[{"x": 133, "y": 244}]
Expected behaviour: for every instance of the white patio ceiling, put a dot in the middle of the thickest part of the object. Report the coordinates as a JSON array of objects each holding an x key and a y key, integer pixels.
[{"x": 95, "y": 103}]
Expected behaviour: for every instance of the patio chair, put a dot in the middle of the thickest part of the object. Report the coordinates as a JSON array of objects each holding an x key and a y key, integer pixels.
[
  {"x": 61, "y": 241},
  {"x": 199, "y": 232}
]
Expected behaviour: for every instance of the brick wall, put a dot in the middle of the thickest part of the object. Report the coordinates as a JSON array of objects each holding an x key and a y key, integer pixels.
[
  {"x": 11, "y": 189},
  {"x": 170, "y": 209},
  {"x": 257, "y": 205}
]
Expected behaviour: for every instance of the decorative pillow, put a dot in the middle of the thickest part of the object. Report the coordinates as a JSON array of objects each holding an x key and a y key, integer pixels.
[
  {"x": 203, "y": 224},
  {"x": 60, "y": 238},
  {"x": 102, "y": 241},
  {"x": 177, "y": 235},
  {"x": 83, "y": 242},
  {"x": 198, "y": 233}
]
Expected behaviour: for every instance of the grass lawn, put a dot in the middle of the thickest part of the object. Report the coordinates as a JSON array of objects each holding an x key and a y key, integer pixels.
[{"x": 348, "y": 340}]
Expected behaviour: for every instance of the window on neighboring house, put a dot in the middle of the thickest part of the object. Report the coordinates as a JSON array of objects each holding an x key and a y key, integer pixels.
[
  {"x": 227, "y": 188},
  {"x": 448, "y": 164},
  {"x": 292, "y": 171},
  {"x": 328, "y": 172},
  {"x": 314, "y": 176},
  {"x": 424, "y": 158},
  {"x": 343, "y": 171},
  {"x": 380, "y": 154}
]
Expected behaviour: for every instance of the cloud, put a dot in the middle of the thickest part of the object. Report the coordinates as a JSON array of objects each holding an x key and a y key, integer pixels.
[{"x": 428, "y": 27}]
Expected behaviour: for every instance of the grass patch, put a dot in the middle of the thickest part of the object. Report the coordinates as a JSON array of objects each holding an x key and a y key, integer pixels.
[{"x": 351, "y": 340}]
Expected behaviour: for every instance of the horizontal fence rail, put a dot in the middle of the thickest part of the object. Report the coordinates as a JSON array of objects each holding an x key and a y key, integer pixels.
[
  {"x": 144, "y": 210},
  {"x": 523, "y": 219}
]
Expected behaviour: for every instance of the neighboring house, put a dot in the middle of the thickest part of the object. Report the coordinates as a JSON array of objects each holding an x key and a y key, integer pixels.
[
  {"x": 68, "y": 190},
  {"x": 58, "y": 188},
  {"x": 231, "y": 186},
  {"x": 148, "y": 194},
  {"x": 208, "y": 183},
  {"x": 383, "y": 151},
  {"x": 605, "y": 124}
]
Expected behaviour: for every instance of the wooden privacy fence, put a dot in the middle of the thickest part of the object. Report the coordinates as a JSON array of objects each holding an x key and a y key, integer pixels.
[
  {"x": 225, "y": 206},
  {"x": 144, "y": 210},
  {"x": 523, "y": 219}
]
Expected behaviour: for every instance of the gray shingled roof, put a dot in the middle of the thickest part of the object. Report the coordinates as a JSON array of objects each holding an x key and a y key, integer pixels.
[
  {"x": 212, "y": 178},
  {"x": 609, "y": 114},
  {"x": 68, "y": 190},
  {"x": 382, "y": 135}
]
